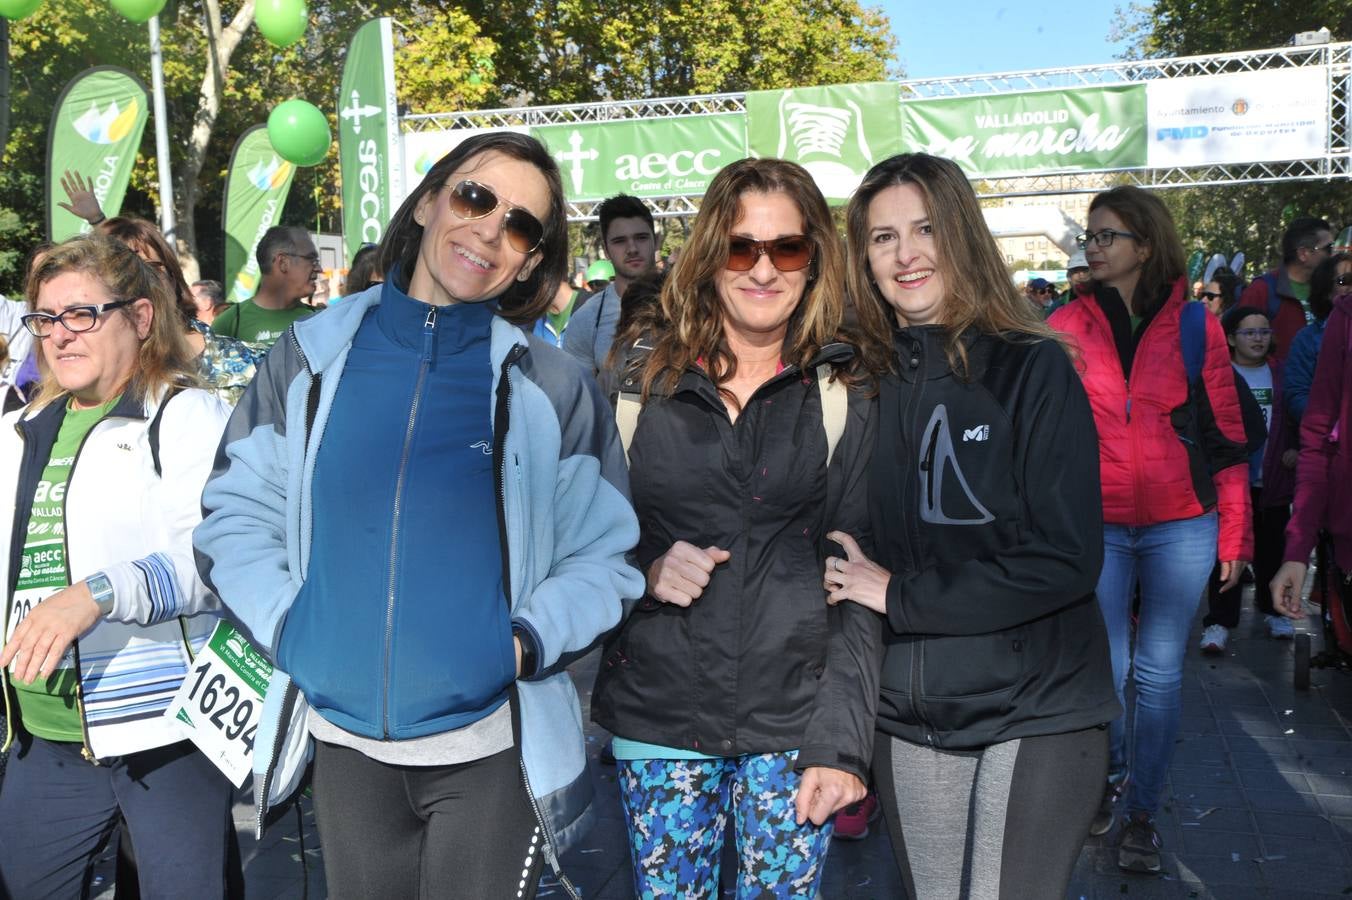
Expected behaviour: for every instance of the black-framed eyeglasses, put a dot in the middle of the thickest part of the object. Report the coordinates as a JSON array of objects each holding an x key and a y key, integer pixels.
[
  {"x": 75, "y": 320},
  {"x": 1102, "y": 238},
  {"x": 471, "y": 200},
  {"x": 1322, "y": 248},
  {"x": 1211, "y": 295},
  {"x": 787, "y": 254},
  {"x": 1251, "y": 333},
  {"x": 1343, "y": 280}
]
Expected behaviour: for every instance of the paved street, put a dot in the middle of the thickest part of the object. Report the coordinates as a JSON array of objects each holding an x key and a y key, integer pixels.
[{"x": 1260, "y": 801}]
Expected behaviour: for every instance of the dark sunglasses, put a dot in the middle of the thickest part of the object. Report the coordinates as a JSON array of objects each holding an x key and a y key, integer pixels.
[
  {"x": 787, "y": 254},
  {"x": 1211, "y": 295},
  {"x": 1322, "y": 248},
  {"x": 471, "y": 200},
  {"x": 1343, "y": 280}
]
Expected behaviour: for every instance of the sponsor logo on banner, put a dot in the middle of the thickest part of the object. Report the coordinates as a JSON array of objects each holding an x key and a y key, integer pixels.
[
  {"x": 837, "y": 133},
  {"x": 269, "y": 176},
  {"x": 420, "y": 151},
  {"x": 653, "y": 158},
  {"x": 108, "y": 126},
  {"x": 1043, "y": 131},
  {"x": 368, "y": 135},
  {"x": 1264, "y": 116}
]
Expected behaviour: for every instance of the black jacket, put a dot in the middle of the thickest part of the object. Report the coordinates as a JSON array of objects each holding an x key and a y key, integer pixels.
[
  {"x": 759, "y": 663},
  {"x": 985, "y": 505}
]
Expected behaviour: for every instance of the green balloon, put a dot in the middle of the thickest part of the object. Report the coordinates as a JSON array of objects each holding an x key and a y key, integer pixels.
[
  {"x": 138, "y": 10},
  {"x": 18, "y": 9},
  {"x": 282, "y": 21},
  {"x": 299, "y": 132}
]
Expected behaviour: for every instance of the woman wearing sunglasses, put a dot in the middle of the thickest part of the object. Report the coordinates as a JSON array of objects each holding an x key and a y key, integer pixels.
[
  {"x": 1175, "y": 484},
  {"x": 103, "y": 476},
  {"x": 996, "y": 689},
  {"x": 738, "y": 698},
  {"x": 421, "y": 516}
]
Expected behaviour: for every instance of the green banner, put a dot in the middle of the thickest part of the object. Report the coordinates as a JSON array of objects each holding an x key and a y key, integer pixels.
[
  {"x": 368, "y": 135},
  {"x": 96, "y": 130},
  {"x": 837, "y": 133},
  {"x": 649, "y": 158},
  {"x": 256, "y": 186},
  {"x": 1042, "y": 131}
]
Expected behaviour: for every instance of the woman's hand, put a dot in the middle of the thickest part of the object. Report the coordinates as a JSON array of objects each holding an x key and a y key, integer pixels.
[
  {"x": 82, "y": 203},
  {"x": 1230, "y": 572},
  {"x": 1286, "y": 587},
  {"x": 46, "y": 633},
  {"x": 822, "y": 791},
  {"x": 680, "y": 575},
  {"x": 857, "y": 577}
]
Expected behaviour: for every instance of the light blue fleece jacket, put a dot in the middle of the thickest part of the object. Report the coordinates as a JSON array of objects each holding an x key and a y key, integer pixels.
[{"x": 565, "y": 519}]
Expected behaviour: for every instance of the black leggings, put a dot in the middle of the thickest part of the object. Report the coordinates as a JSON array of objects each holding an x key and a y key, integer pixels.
[
  {"x": 411, "y": 831},
  {"x": 1006, "y": 821},
  {"x": 1269, "y": 540}
]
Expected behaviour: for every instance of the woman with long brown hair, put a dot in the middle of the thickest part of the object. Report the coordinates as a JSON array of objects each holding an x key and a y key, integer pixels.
[
  {"x": 995, "y": 690},
  {"x": 734, "y": 692},
  {"x": 1171, "y": 451}
]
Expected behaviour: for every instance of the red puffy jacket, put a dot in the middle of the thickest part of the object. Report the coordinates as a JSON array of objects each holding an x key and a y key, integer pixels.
[{"x": 1150, "y": 472}]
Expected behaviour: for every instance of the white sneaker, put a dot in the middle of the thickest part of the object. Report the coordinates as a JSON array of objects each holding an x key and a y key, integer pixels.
[
  {"x": 1214, "y": 638},
  {"x": 1280, "y": 628}
]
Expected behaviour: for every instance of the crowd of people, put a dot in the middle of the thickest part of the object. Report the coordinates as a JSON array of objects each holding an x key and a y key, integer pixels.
[{"x": 857, "y": 525}]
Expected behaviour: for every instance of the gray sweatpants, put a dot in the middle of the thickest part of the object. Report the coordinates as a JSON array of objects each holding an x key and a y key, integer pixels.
[{"x": 1006, "y": 821}]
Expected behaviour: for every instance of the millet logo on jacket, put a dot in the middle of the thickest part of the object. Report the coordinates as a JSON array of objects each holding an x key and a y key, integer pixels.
[{"x": 979, "y": 433}]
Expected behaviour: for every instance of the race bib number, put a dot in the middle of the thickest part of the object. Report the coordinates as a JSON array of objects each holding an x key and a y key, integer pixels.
[{"x": 221, "y": 700}]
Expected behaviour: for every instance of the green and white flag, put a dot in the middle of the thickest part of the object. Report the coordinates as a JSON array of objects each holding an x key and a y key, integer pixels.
[
  {"x": 256, "y": 186},
  {"x": 368, "y": 135},
  {"x": 96, "y": 130}
]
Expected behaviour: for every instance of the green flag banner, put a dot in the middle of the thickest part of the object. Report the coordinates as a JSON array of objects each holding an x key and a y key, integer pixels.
[
  {"x": 651, "y": 158},
  {"x": 1041, "y": 131},
  {"x": 837, "y": 133},
  {"x": 368, "y": 135},
  {"x": 96, "y": 130},
  {"x": 256, "y": 186}
]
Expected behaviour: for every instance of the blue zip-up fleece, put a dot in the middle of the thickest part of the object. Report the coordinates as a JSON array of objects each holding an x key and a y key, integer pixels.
[
  {"x": 421, "y": 653},
  {"x": 564, "y": 518}
]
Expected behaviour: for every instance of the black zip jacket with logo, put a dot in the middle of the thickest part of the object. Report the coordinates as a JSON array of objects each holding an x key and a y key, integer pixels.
[
  {"x": 985, "y": 506},
  {"x": 759, "y": 663}
]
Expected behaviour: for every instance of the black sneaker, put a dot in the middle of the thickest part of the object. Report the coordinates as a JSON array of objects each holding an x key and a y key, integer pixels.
[
  {"x": 1103, "y": 819},
  {"x": 1140, "y": 847}
]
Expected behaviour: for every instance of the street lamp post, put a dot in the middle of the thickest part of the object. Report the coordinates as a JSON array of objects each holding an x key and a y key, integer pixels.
[{"x": 167, "y": 224}]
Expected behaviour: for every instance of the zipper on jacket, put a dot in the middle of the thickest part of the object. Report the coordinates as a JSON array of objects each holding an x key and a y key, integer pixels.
[
  {"x": 429, "y": 331},
  {"x": 909, "y": 502},
  {"x": 501, "y": 419},
  {"x": 261, "y": 793}
]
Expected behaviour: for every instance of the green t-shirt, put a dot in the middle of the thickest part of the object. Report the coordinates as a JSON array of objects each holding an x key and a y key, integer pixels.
[
  {"x": 1302, "y": 293},
  {"x": 559, "y": 320},
  {"x": 253, "y": 324},
  {"x": 47, "y": 707}
]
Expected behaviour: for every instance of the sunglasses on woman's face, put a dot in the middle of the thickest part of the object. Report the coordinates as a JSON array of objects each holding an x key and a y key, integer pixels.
[
  {"x": 787, "y": 254},
  {"x": 1211, "y": 295},
  {"x": 471, "y": 200},
  {"x": 1343, "y": 280}
]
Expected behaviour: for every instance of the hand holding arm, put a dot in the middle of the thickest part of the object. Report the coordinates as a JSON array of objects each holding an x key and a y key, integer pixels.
[{"x": 856, "y": 577}]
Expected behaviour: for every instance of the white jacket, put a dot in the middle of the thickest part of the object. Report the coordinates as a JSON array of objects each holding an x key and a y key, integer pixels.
[{"x": 135, "y": 525}]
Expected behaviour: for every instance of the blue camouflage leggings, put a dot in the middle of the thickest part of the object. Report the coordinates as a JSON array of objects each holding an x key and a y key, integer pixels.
[{"x": 677, "y": 813}]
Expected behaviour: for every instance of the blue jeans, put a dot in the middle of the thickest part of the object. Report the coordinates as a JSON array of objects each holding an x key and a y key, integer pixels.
[{"x": 1172, "y": 561}]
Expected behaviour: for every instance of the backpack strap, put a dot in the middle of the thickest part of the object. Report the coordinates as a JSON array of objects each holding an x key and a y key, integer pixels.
[
  {"x": 1274, "y": 300},
  {"x": 835, "y": 407},
  {"x": 153, "y": 433},
  {"x": 1192, "y": 335}
]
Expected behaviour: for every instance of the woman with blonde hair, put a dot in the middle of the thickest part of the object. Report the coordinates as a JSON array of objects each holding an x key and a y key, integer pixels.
[
  {"x": 105, "y": 608},
  {"x": 991, "y": 744},
  {"x": 734, "y": 692}
]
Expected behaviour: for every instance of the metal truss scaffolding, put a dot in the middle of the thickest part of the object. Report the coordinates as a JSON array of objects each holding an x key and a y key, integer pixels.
[{"x": 1336, "y": 162}]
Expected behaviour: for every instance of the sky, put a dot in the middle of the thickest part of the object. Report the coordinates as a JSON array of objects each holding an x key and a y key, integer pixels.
[{"x": 970, "y": 37}]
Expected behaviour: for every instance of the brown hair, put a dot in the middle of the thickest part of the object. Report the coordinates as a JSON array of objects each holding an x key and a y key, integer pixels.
[
  {"x": 980, "y": 296},
  {"x": 1146, "y": 216},
  {"x": 690, "y": 301},
  {"x": 143, "y": 237},
  {"x": 165, "y": 358},
  {"x": 524, "y": 301}
]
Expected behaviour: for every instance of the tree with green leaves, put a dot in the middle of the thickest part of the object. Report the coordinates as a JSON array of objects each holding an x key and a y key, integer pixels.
[{"x": 1248, "y": 218}]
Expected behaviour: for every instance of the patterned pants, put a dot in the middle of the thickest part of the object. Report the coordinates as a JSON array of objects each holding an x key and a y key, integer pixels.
[{"x": 678, "y": 811}]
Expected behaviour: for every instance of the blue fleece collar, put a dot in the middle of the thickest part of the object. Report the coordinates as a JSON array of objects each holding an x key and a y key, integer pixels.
[{"x": 403, "y": 320}]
